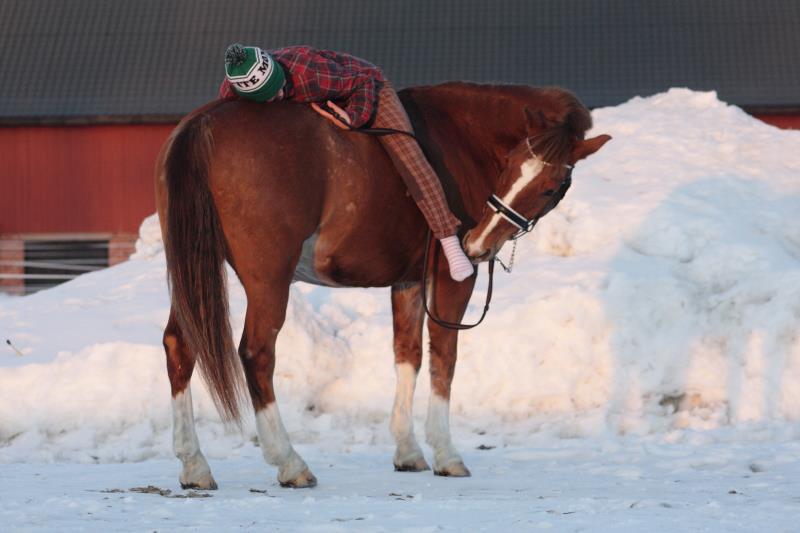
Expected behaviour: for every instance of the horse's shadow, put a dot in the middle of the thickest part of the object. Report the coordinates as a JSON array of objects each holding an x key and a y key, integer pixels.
[{"x": 704, "y": 300}]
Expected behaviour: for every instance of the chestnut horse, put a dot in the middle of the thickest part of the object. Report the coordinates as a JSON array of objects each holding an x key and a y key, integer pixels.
[{"x": 281, "y": 195}]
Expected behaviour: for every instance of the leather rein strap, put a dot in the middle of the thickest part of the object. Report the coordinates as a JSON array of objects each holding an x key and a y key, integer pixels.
[{"x": 444, "y": 323}]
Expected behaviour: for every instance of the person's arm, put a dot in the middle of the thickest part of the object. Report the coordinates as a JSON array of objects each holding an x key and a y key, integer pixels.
[
  {"x": 226, "y": 90},
  {"x": 361, "y": 103}
]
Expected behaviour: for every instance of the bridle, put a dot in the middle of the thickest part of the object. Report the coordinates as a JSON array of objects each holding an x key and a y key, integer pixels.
[{"x": 526, "y": 225}]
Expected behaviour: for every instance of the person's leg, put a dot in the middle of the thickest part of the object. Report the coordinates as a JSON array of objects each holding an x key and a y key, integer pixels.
[{"x": 421, "y": 180}]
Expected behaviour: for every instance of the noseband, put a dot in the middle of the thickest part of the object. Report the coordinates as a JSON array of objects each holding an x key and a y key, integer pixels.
[{"x": 525, "y": 225}]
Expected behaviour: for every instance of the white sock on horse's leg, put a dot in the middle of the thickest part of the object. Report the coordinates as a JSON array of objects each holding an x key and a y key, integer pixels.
[
  {"x": 446, "y": 460},
  {"x": 460, "y": 267},
  {"x": 196, "y": 472},
  {"x": 278, "y": 451},
  {"x": 408, "y": 455}
]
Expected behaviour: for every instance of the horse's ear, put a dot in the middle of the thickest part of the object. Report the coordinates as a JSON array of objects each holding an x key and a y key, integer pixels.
[
  {"x": 534, "y": 122},
  {"x": 585, "y": 148}
]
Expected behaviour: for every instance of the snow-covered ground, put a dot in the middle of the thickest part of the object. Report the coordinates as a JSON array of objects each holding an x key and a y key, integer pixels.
[
  {"x": 632, "y": 484},
  {"x": 639, "y": 370}
]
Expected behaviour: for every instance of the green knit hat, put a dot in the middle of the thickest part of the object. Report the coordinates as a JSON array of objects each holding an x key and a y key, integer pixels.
[{"x": 253, "y": 73}]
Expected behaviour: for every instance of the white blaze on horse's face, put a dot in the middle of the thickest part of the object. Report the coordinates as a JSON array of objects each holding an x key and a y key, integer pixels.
[{"x": 482, "y": 244}]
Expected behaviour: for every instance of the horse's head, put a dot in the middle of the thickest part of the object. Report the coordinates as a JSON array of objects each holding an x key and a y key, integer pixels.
[{"x": 536, "y": 176}]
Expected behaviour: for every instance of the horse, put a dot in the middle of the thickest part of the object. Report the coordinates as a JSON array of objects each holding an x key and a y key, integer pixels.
[{"x": 282, "y": 195}]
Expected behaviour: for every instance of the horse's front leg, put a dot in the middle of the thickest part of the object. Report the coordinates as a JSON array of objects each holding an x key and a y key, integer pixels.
[
  {"x": 180, "y": 364},
  {"x": 449, "y": 301},
  {"x": 407, "y": 318},
  {"x": 266, "y": 311}
]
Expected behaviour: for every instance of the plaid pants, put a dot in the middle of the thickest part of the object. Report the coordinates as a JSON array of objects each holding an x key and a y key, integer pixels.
[{"x": 419, "y": 177}]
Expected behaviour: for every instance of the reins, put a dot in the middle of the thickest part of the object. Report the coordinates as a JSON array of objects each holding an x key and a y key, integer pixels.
[
  {"x": 443, "y": 323},
  {"x": 439, "y": 321}
]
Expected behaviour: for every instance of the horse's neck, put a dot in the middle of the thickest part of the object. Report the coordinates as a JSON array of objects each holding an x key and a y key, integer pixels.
[{"x": 466, "y": 134}]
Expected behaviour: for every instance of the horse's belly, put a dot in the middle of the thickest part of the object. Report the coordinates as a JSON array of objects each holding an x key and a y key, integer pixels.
[
  {"x": 348, "y": 264},
  {"x": 305, "y": 270}
]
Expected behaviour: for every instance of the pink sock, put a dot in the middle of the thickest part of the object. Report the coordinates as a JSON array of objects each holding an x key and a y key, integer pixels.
[{"x": 460, "y": 267}]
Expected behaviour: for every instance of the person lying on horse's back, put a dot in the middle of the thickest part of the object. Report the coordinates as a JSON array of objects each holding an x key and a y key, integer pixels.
[{"x": 304, "y": 74}]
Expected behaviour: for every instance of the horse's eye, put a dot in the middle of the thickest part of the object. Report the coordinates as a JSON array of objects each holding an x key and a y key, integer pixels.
[{"x": 549, "y": 192}]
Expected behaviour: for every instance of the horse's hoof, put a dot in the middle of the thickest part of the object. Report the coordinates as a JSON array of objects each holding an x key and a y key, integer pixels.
[
  {"x": 202, "y": 482},
  {"x": 200, "y": 486},
  {"x": 196, "y": 474},
  {"x": 305, "y": 480},
  {"x": 453, "y": 470},
  {"x": 412, "y": 465}
]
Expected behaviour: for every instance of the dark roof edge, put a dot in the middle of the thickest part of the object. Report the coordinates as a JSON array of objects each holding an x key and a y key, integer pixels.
[{"x": 97, "y": 120}]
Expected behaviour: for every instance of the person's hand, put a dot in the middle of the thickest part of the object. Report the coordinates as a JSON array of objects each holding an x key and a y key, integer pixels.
[{"x": 342, "y": 120}]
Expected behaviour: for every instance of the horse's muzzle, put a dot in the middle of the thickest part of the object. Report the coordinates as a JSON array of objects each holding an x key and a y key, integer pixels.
[
  {"x": 481, "y": 258},
  {"x": 474, "y": 258}
]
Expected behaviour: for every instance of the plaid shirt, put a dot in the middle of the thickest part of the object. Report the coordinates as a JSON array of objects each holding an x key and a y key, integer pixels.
[{"x": 318, "y": 75}]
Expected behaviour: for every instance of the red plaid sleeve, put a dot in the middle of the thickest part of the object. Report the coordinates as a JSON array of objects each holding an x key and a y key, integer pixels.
[
  {"x": 361, "y": 103},
  {"x": 226, "y": 90}
]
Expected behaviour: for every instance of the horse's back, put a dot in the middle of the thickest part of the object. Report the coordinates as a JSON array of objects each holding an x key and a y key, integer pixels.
[{"x": 283, "y": 178}]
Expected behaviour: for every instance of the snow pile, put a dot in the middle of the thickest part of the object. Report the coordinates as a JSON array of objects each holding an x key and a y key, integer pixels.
[{"x": 661, "y": 297}]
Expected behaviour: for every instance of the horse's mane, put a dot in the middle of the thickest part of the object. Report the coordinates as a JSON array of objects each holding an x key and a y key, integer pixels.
[
  {"x": 555, "y": 143},
  {"x": 561, "y": 116}
]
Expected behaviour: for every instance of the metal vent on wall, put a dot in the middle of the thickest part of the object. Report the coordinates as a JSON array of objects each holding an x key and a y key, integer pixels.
[{"x": 50, "y": 263}]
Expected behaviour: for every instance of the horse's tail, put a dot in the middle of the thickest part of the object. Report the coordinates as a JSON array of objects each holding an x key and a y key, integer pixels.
[{"x": 195, "y": 247}]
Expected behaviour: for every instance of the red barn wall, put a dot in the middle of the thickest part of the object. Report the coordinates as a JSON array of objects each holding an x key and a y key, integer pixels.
[
  {"x": 786, "y": 122},
  {"x": 77, "y": 179},
  {"x": 73, "y": 182}
]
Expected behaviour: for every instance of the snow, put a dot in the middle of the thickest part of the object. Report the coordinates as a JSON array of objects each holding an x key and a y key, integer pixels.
[
  {"x": 622, "y": 484},
  {"x": 640, "y": 364}
]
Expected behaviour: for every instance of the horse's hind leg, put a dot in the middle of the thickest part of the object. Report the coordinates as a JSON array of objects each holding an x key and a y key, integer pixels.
[
  {"x": 407, "y": 317},
  {"x": 180, "y": 364},
  {"x": 450, "y": 301},
  {"x": 266, "y": 311}
]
